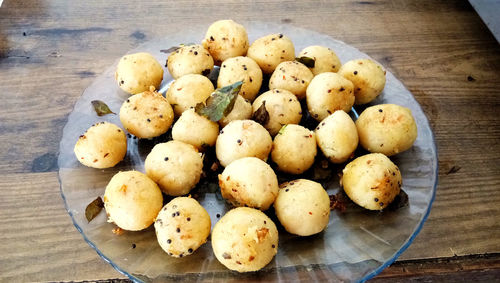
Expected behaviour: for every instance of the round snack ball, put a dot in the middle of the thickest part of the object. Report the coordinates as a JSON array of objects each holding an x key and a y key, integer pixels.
[
  {"x": 242, "y": 110},
  {"x": 175, "y": 166},
  {"x": 191, "y": 59},
  {"x": 132, "y": 200},
  {"x": 187, "y": 91},
  {"x": 367, "y": 76},
  {"x": 372, "y": 181},
  {"x": 135, "y": 73},
  {"x": 294, "y": 149},
  {"x": 226, "y": 39},
  {"x": 337, "y": 137},
  {"x": 303, "y": 207},
  {"x": 325, "y": 60},
  {"x": 327, "y": 93},
  {"x": 182, "y": 226},
  {"x": 269, "y": 51},
  {"x": 250, "y": 182},
  {"x": 146, "y": 115},
  {"x": 195, "y": 129},
  {"x": 102, "y": 146},
  {"x": 386, "y": 128},
  {"x": 283, "y": 108},
  {"x": 241, "y": 69},
  {"x": 242, "y": 138},
  {"x": 245, "y": 239},
  {"x": 292, "y": 76}
]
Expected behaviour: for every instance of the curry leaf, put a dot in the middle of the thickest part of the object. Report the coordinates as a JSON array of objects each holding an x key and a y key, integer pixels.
[
  {"x": 220, "y": 102},
  {"x": 93, "y": 209},
  {"x": 261, "y": 116},
  {"x": 101, "y": 108},
  {"x": 308, "y": 61},
  {"x": 170, "y": 50},
  {"x": 175, "y": 48},
  {"x": 282, "y": 130}
]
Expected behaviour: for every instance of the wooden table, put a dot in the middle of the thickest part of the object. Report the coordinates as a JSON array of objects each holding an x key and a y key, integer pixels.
[{"x": 441, "y": 50}]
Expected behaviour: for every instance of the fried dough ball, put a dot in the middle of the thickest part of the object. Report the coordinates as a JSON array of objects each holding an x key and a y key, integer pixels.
[
  {"x": 241, "y": 69},
  {"x": 136, "y": 72},
  {"x": 337, "y": 137},
  {"x": 269, "y": 51},
  {"x": 103, "y": 145},
  {"x": 294, "y": 149},
  {"x": 175, "y": 166},
  {"x": 242, "y": 138},
  {"x": 191, "y": 59},
  {"x": 226, "y": 39},
  {"x": 249, "y": 181},
  {"x": 283, "y": 108},
  {"x": 182, "y": 226},
  {"x": 367, "y": 76},
  {"x": 187, "y": 91},
  {"x": 242, "y": 110},
  {"x": 386, "y": 128},
  {"x": 303, "y": 207},
  {"x": 372, "y": 181},
  {"x": 195, "y": 129},
  {"x": 245, "y": 239},
  {"x": 146, "y": 115},
  {"x": 327, "y": 93},
  {"x": 132, "y": 200},
  {"x": 292, "y": 76},
  {"x": 325, "y": 60}
]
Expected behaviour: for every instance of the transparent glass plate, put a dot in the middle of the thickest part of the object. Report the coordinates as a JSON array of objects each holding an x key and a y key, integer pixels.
[{"x": 357, "y": 244}]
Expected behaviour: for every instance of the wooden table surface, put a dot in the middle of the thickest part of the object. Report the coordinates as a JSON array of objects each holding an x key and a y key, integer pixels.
[{"x": 51, "y": 50}]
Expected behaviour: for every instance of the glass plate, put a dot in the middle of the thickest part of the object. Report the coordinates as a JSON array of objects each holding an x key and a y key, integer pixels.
[{"x": 356, "y": 246}]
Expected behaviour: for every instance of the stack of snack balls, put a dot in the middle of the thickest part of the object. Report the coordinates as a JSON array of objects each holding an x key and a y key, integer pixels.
[{"x": 246, "y": 239}]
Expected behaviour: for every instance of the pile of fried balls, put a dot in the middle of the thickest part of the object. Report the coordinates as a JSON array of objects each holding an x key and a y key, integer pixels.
[{"x": 245, "y": 239}]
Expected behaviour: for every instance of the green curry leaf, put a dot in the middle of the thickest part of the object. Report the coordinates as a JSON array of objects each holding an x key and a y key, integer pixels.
[
  {"x": 308, "y": 61},
  {"x": 101, "y": 108},
  {"x": 220, "y": 102},
  {"x": 261, "y": 116},
  {"x": 93, "y": 209}
]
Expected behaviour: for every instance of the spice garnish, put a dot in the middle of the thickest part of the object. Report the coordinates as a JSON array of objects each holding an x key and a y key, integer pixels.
[
  {"x": 101, "y": 108},
  {"x": 261, "y": 116},
  {"x": 308, "y": 61},
  {"x": 220, "y": 102},
  {"x": 175, "y": 48},
  {"x": 93, "y": 209}
]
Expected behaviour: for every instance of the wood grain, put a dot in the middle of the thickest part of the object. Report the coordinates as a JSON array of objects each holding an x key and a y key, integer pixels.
[{"x": 51, "y": 50}]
